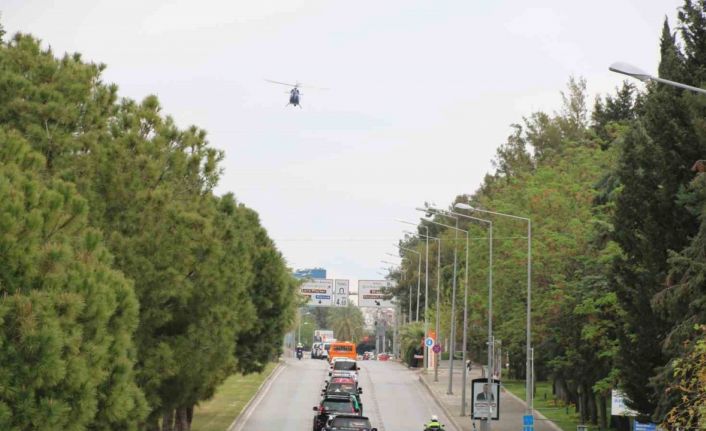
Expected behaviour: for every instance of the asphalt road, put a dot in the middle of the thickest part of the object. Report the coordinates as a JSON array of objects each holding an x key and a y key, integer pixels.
[{"x": 393, "y": 398}]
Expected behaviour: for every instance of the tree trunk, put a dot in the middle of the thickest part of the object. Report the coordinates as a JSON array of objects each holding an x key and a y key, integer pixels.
[
  {"x": 190, "y": 415},
  {"x": 602, "y": 412},
  {"x": 560, "y": 389},
  {"x": 580, "y": 404},
  {"x": 151, "y": 424},
  {"x": 592, "y": 407},
  {"x": 168, "y": 421},
  {"x": 182, "y": 423}
]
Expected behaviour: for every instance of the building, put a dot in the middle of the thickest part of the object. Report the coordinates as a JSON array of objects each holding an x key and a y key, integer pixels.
[{"x": 310, "y": 273}]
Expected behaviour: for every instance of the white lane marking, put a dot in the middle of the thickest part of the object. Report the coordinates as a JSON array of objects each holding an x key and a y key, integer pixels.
[{"x": 238, "y": 424}]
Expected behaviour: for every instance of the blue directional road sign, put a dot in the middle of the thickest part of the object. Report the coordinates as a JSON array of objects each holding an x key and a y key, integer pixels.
[
  {"x": 429, "y": 342},
  {"x": 639, "y": 426},
  {"x": 528, "y": 422}
]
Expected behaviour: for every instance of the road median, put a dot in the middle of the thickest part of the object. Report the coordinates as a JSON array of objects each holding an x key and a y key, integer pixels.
[{"x": 233, "y": 400}]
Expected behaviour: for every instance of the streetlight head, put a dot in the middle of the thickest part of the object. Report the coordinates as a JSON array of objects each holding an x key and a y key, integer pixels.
[
  {"x": 405, "y": 222},
  {"x": 463, "y": 206},
  {"x": 426, "y": 209},
  {"x": 630, "y": 70}
]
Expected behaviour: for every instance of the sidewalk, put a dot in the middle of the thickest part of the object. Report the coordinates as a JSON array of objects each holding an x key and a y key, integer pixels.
[{"x": 511, "y": 408}]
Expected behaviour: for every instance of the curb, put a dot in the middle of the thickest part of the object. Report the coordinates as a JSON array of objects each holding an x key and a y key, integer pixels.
[
  {"x": 443, "y": 408},
  {"x": 239, "y": 421}
]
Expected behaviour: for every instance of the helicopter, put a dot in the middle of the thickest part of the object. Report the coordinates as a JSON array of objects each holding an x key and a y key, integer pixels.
[{"x": 294, "y": 94}]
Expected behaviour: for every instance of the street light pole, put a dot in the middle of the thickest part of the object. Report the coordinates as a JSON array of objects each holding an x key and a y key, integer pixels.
[
  {"x": 529, "y": 374},
  {"x": 419, "y": 277},
  {"x": 299, "y": 329},
  {"x": 437, "y": 328},
  {"x": 426, "y": 292},
  {"x": 438, "y": 310},
  {"x": 453, "y": 314},
  {"x": 426, "y": 302},
  {"x": 637, "y": 73},
  {"x": 465, "y": 299}
]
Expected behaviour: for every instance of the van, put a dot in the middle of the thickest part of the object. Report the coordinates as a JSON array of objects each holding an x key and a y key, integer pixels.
[{"x": 342, "y": 349}]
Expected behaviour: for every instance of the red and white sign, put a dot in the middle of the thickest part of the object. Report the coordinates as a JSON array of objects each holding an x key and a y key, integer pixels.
[{"x": 375, "y": 293}]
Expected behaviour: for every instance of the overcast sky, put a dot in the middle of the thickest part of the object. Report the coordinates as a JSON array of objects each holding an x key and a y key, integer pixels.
[{"x": 421, "y": 93}]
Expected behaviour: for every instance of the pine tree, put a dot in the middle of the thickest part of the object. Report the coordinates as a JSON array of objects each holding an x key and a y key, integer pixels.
[
  {"x": 68, "y": 317},
  {"x": 272, "y": 292},
  {"x": 201, "y": 267}
]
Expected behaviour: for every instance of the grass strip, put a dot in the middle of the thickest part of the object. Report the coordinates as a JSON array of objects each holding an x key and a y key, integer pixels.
[
  {"x": 544, "y": 402},
  {"x": 219, "y": 412}
]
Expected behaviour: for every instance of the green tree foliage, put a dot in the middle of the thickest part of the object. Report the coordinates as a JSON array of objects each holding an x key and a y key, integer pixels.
[
  {"x": 551, "y": 169},
  {"x": 214, "y": 293},
  {"x": 649, "y": 218},
  {"x": 274, "y": 295},
  {"x": 411, "y": 339},
  {"x": 347, "y": 323},
  {"x": 618, "y": 223},
  {"x": 67, "y": 316},
  {"x": 689, "y": 412}
]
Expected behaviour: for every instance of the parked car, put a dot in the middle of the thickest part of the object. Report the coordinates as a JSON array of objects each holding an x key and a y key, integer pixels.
[{"x": 349, "y": 423}]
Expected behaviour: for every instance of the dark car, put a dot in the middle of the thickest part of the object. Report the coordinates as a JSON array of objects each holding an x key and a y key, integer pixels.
[
  {"x": 349, "y": 423},
  {"x": 332, "y": 405},
  {"x": 347, "y": 388}
]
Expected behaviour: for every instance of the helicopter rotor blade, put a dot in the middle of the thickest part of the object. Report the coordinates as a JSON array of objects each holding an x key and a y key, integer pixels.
[
  {"x": 311, "y": 87},
  {"x": 281, "y": 83}
]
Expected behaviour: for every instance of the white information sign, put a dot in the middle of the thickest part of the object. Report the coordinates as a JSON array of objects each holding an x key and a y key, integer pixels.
[
  {"x": 375, "y": 293},
  {"x": 617, "y": 404},
  {"x": 340, "y": 293},
  {"x": 319, "y": 291}
]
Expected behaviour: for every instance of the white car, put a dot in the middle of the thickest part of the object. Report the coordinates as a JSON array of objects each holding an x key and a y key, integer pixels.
[{"x": 344, "y": 367}]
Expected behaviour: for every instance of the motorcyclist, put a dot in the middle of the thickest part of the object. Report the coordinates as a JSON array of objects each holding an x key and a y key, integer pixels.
[{"x": 434, "y": 424}]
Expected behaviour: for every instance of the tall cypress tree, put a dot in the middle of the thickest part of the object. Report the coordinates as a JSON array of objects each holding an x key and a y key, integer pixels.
[{"x": 650, "y": 221}]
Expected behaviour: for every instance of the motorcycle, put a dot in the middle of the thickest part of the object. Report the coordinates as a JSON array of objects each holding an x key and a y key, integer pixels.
[{"x": 299, "y": 354}]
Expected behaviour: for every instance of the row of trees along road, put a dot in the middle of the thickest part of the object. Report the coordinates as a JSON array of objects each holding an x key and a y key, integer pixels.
[
  {"x": 619, "y": 244},
  {"x": 130, "y": 290}
]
